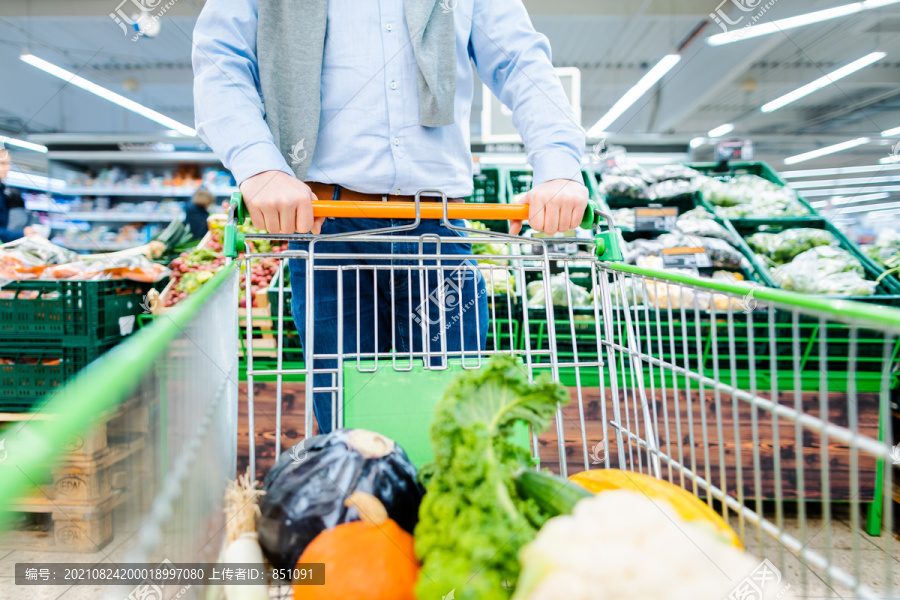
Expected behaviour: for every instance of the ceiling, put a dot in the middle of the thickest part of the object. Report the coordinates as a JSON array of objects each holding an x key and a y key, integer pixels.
[{"x": 614, "y": 43}]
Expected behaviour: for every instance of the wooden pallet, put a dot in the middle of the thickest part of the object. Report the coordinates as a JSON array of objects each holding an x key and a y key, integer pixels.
[{"x": 62, "y": 527}]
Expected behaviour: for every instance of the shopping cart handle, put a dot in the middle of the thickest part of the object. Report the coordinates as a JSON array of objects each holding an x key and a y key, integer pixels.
[{"x": 428, "y": 209}]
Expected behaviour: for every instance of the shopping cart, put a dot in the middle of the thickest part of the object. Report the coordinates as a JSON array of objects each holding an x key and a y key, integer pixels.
[{"x": 773, "y": 407}]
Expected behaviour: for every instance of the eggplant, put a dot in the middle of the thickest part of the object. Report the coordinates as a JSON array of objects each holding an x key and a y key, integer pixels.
[{"x": 304, "y": 492}]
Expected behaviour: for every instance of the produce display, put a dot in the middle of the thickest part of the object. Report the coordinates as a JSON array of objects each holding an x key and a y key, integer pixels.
[
  {"x": 825, "y": 270},
  {"x": 700, "y": 222},
  {"x": 722, "y": 255},
  {"x": 780, "y": 248},
  {"x": 560, "y": 291},
  {"x": 751, "y": 196},
  {"x": 473, "y": 521},
  {"x": 304, "y": 497},
  {"x": 193, "y": 268},
  {"x": 36, "y": 258},
  {"x": 664, "y": 184},
  {"x": 886, "y": 249}
]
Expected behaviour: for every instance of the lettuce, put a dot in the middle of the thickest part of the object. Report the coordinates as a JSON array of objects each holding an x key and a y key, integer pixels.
[{"x": 472, "y": 522}]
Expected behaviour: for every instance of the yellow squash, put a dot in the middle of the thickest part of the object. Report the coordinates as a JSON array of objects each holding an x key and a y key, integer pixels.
[{"x": 687, "y": 505}]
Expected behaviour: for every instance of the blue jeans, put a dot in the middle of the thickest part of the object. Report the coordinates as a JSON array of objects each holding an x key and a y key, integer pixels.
[{"x": 383, "y": 309}]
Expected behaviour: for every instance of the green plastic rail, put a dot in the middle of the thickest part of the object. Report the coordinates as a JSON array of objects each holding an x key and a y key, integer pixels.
[{"x": 35, "y": 448}]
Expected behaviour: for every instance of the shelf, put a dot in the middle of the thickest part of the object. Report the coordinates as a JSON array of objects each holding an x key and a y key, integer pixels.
[
  {"x": 165, "y": 192},
  {"x": 124, "y": 217},
  {"x": 100, "y": 246}
]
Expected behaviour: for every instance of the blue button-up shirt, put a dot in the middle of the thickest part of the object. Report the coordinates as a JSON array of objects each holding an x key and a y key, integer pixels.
[{"x": 370, "y": 139}]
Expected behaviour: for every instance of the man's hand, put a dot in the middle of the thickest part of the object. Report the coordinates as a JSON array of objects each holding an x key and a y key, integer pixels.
[
  {"x": 554, "y": 206},
  {"x": 280, "y": 203}
]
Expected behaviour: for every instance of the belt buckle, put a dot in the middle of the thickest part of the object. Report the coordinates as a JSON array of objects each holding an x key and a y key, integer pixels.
[{"x": 384, "y": 197}]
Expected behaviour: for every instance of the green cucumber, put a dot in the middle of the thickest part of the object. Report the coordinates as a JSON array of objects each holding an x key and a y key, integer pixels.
[{"x": 553, "y": 494}]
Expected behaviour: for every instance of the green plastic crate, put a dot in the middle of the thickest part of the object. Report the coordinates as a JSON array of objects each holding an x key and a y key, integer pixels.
[
  {"x": 400, "y": 404},
  {"x": 29, "y": 375},
  {"x": 70, "y": 313}
]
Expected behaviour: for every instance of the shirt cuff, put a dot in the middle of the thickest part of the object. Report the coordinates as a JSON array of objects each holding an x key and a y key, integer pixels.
[
  {"x": 556, "y": 165},
  {"x": 255, "y": 159}
]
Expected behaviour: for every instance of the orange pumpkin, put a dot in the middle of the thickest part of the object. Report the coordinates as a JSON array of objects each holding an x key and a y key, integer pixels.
[{"x": 371, "y": 559}]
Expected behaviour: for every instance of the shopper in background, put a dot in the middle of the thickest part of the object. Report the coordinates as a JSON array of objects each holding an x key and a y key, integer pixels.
[
  {"x": 11, "y": 205},
  {"x": 349, "y": 100},
  {"x": 197, "y": 211}
]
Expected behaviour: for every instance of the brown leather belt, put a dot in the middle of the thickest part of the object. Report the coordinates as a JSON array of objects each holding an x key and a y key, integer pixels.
[{"x": 324, "y": 191}]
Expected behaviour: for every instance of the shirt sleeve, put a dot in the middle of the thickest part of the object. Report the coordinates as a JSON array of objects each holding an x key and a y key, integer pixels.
[
  {"x": 513, "y": 60},
  {"x": 228, "y": 105}
]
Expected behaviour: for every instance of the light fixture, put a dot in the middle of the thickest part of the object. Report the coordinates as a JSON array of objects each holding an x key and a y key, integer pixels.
[
  {"x": 22, "y": 144},
  {"x": 101, "y": 91},
  {"x": 721, "y": 130},
  {"x": 801, "y": 185},
  {"x": 850, "y": 191},
  {"x": 842, "y": 200},
  {"x": 697, "y": 142},
  {"x": 633, "y": 95},
  {"x": 891, "y": 132},
  {"x": 823, "y": 81},
  {"x": 745, "y": 33},
  {"x": 889, "y": 160},
  {"x": 792, "y": 160},
  {"x": 873, "y": 207},
  {"x": 836, "y": 171}
]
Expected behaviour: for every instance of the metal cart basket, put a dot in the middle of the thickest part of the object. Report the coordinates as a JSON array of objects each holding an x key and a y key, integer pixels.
[{"x": 771, "y": 406}]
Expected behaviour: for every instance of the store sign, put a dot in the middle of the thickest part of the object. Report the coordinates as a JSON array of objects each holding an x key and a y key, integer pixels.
[
  {"x": 734, "y": 150},
  {"x": 655, "y": 219},
  {"x": 684, "y": 257}
]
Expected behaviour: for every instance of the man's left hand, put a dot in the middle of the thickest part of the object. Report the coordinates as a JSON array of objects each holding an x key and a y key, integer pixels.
[{"x": 554, "y": 206}]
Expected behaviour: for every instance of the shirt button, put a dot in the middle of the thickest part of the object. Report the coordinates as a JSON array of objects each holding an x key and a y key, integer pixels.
[
  {"x": 396, "y": 141},
  {"x": 393, "y": 85},
  {"x": 390, "y": 27}
]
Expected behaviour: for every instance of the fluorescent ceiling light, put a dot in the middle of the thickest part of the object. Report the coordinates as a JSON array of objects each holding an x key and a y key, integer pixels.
[
  {"x": 746, "y": 33},
  {"x": 633, "y": 95},
  {"x": 101, "y": 91},
  {"x": 889, "y": 160},
  {"x": 721, "y": 130},
  {"x": 837, "y": 171},
  {"x": 792, "y": 160},
  {"x": 22, "y": 144},
  {"x": 842, "y": 200},
  {"x": 801, "y": 185},
  {"x": 697, "y": 142},
  {"x": 891, "y": 132},
  {"x": 895, "y": 205},
  {"x": 851, "y": 191},
  {"x": 823, "y": 81}
]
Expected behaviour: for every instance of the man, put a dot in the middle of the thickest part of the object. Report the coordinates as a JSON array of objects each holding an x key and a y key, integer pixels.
[
  {"x": 197, "y": 212},
  {"x": 9, "y": 200},
  {"x": 371, "y": 100}
]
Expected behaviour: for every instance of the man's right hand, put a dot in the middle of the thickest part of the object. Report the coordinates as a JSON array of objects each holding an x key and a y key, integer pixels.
[{"x": 280, "y": 203}]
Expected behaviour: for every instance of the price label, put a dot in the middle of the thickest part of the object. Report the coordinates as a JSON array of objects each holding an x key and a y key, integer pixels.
[
  {"x": 684, "y": 257},
  {"x": 655, "y": 219}
]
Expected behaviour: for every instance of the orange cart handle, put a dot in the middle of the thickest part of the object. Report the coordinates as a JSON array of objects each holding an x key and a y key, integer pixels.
[{"x": 427, "y": 209}]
